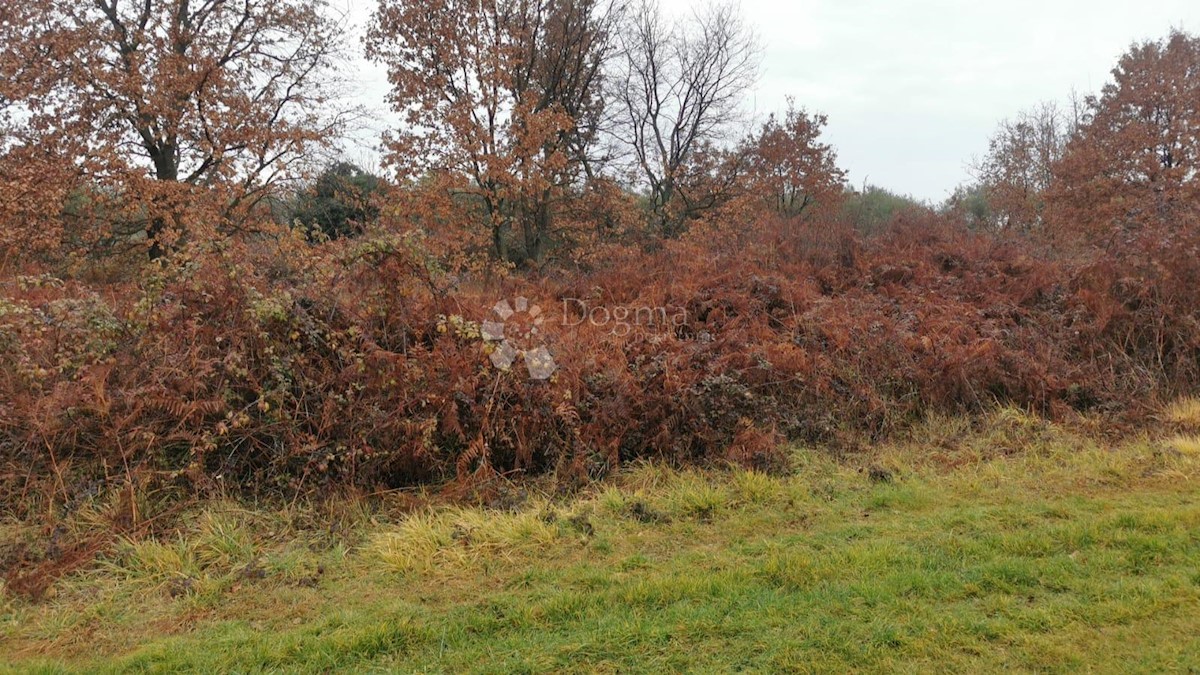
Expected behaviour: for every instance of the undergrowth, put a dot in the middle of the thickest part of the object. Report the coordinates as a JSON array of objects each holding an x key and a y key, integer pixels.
[
  {"x": 1054, "y": 550},
  {"x": 282, "y": 369}
]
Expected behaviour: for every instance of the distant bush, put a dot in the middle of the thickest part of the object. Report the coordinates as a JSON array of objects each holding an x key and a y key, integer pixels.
[
  {"x": 871, "y": 210},
  {"x": 970, "y": 205},
  {"x": 342, "y": 201}
]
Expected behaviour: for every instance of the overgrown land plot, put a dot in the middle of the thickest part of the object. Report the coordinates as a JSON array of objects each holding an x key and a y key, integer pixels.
[
  {"x": 1018, "y": 546},
  {"x": 587, "y": 367}
]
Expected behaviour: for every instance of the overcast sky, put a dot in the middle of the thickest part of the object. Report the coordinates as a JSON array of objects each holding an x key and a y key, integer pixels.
[{"x": 913, "y": 89}]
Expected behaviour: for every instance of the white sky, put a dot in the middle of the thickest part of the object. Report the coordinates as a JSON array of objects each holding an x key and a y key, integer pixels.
[{"x": 913, "y": 89}]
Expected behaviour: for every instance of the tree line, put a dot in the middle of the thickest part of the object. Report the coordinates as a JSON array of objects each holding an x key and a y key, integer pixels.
[
  {"x": 529, "y": 124},
  {"x": 524, "y": 130},
  {"x": 1101, "y": 167}
]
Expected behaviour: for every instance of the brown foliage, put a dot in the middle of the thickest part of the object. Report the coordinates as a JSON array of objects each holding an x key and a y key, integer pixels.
[
  {"x": 1133, "y": 163},
  {"x": 1019, "y": 168},
  {"x": 789, "y": 168},
  {"x": 179, "y": 116},
  {"x": 504, "y": 94},
  {"x": 286, "y": 367},
  {"x": 273, "y": 364}
]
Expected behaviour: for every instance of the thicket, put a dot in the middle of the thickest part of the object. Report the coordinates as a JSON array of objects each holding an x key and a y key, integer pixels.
[{"x": 288, "y": 367}]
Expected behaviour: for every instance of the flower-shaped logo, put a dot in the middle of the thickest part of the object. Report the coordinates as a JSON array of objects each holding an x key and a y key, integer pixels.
[{"x": 518, "y": 334}]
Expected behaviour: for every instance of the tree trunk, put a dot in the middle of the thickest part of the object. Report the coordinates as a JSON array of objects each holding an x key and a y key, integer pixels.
[
  {"x": 156, "y": 228},
  {"x": 166, "y": 170}
]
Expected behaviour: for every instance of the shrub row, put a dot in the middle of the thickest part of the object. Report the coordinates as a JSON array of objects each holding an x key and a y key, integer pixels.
[{"x": 288, "y": 367}]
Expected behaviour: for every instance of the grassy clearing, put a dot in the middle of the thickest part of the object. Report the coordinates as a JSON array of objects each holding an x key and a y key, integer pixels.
[{"x": 1010, "y": 545}]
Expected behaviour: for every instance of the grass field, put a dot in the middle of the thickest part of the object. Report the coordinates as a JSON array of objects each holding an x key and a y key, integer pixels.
[{"x": 1007, "y": 545}]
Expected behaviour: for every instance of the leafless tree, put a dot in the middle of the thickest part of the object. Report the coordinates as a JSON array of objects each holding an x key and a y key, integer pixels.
[{"x": 678, "y": 89}]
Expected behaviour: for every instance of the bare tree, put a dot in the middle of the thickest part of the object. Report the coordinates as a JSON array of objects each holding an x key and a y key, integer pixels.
[{"x": 679, "y": 89}]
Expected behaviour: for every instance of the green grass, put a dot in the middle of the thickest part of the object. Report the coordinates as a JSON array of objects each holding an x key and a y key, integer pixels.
[{"x": 1017, "y": 547}]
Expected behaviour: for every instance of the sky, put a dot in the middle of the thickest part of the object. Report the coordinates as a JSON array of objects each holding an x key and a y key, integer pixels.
[{"x": 912, "y": 89}]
